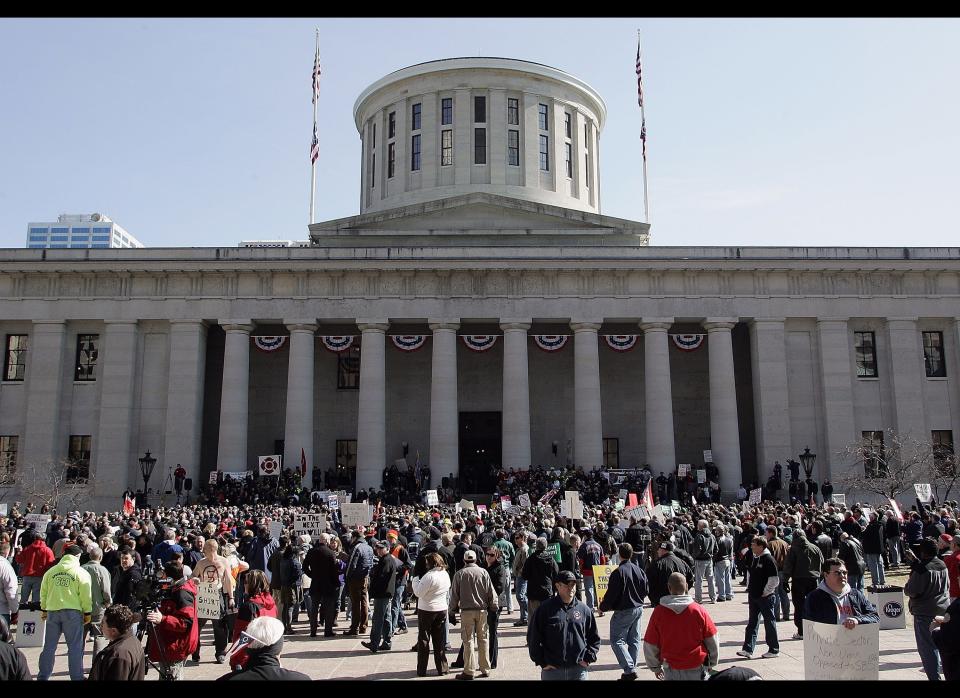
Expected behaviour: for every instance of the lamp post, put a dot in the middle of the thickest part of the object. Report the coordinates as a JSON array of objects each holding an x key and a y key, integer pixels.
[
  {"x": 147, "y": 463},
  {"x": 808, "y": 460}
]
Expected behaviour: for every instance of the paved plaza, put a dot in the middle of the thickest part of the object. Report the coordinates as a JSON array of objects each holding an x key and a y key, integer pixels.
[{"x": 345, "y": 658}]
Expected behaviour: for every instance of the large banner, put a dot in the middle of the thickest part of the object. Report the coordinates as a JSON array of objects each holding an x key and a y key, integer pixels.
[
  {"x": 311, "y": 524},
  {"x": 835, "y": 653},
  {"x": 209, "y": 600},
  {"x": 601, "y": 579}
]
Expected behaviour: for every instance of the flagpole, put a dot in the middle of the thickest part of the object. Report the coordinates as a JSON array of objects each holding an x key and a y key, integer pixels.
[
  {"x": 313, "y": 163},
  {"x": 643, "y": 122}
]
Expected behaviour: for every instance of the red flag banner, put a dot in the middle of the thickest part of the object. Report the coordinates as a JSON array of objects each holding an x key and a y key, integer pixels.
[
  {"x": 128, "y": 505},
  {"x": 632, "y": 499}
]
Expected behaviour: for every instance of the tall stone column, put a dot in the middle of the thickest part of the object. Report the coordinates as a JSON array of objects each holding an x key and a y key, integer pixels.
[
  {"x": 444, "y": 415},
  {"x": 188, "y": 361},
  {"x": 117, "y": 375},
  {"x": 771, "y": 412},
  {"x": 235, "y": 397},
  {"x": 836, "y": 380},
  {"x": 906, "y": 360},
  {"x": 516, "y": 395},
  {"x": 298, "y": 430},
  {"x": 43, "y": 442},
  {"x": 587, "y": 421},
  {"x": 372, "y": 416},
  {"x": 724, "y": 425},
  {"x": 658, "y": 394}
]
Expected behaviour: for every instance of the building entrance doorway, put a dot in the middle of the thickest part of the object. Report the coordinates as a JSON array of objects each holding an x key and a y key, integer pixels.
[{"x": 480, "y": 451}]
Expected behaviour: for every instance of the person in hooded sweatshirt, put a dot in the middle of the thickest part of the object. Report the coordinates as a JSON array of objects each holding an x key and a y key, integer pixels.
[
  {"x": 681, "y": 638},
  {"x": 263, "y": 654},
  {"x": 835, "y": 602}
]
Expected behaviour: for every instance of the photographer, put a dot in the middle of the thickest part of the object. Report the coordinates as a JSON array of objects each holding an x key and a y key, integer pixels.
[
  {"x": 122, "y": 659},
  {"x": 175, "y": 633}
]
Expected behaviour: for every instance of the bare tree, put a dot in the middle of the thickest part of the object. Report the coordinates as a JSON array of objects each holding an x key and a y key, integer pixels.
[
  {"x": 893, "y": 463},
  {"x": 51, "y": 484}
]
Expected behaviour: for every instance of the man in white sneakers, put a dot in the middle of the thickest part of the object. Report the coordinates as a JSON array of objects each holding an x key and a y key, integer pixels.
[{"x": 761, "y": 595}]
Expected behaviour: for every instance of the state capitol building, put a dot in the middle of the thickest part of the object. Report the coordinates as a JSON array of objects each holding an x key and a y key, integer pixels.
[{"x": 480, "y": 310}]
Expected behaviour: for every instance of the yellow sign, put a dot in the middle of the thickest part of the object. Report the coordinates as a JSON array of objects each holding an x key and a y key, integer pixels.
[{"x": 601, "y": 579}]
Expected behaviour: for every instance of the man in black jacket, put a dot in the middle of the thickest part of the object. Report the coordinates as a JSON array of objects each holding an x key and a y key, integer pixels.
[
  {"x": 323, "y": 567},
  {"x": 383, "y": 582},
  {"x": 761, "y": 588},
  {"x": 891, "y": 533},
  {"x": 626, "y": 590},
  {"x": 562, "y": 636},
  {"x": 539, "y": 570},
  {"x": 263, "y": 654},
  {"x": 659, "y": 571},
  {"x": 872, "y": 540}
]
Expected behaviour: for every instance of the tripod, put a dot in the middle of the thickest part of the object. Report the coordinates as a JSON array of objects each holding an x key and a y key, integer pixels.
[
  {"x": 167, "y": 486},
  {"x": 146, "y": 629}
]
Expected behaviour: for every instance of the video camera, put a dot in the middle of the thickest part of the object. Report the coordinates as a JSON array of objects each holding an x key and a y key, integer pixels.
[{"x": 152, "y": 588}]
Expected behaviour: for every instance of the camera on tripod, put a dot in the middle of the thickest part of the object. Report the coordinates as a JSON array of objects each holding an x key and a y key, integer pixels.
[{"x": 148, "y": 593}]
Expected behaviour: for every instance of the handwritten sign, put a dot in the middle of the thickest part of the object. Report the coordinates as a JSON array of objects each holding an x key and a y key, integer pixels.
[
  {"x": 505, "y": 502},
  {"x": 209, "y": 600},
  {"x": 481, "y": 508},
  {"x": 432, "y": 498},
  {"x": 683, "y": 469},
  {"x": 513, "y": 510},
  {"x": 333, "y": 502},
  {"x": 834, "y": 653},
  {"x": 466, "y": 504},
  {"x": 701, "y": 476},
  {"x": 755, "y": 496},
  {"x": 601, "y": 579},
  {"x": 708, "y": 456},
  {"x": 839, "y": 498},
  {"x": 213, "y": 478},
  {"x": 525, "y": 500},
  {"x": 356, "y": 514},
  {"x": 924, "y": 493},
  {"x": 311, "y": 524},
  {"x": 276, "y": 529},
  {"x": 39, "y": 521}
]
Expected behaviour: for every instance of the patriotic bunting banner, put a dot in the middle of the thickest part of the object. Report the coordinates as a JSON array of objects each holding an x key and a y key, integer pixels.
[
  {"x": 687, "y": 342},
  {"x": 268, "y": 344},
  {"x": 408, "y": 342},
  {"x": 479, "y": 342},
  {"x": 551, "y": 342},
  {"x": 336, "y": 344},
  {"x": 621, "y": 342}
]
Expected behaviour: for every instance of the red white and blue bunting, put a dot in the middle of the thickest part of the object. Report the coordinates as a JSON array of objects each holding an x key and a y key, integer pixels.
[
  {"x": 408, "y": 342},
  {"x": 479, "y": 342},
  {"x": 687, "y": 342},
  {"x": 337, "y": 343},
  {"x": 550, "y": 342},
  {"x": 269, "y": 344},
  {"x": 621, "y": 342}
]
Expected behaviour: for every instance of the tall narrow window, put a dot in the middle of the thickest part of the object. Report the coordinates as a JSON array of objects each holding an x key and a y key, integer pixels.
[
  {"x": 15, "y": 360},
  {"x": 373, "y": 170},
  {"x": 513, "y": 147},
  {"x": 569, "y": 153},
  {"x": 545, "y": 153},
  {"x": 78, "y": 457},
  {"x": 874, "y": 455},
  {"x": 611, "y": 453},
  {"x": 415, "y": 120},
  {"x": 933, "y": 355},
  {"x": 86, "y": 364},
  {"x": 479, "y": 110},
  {"x": 587, "y": 170},
  {"x": 348, "y": 369},
  {"x": 542, "y": 116},
  {"x": 392, "y": 124},
  {"x": 513, "y": 112},
  {"x": 446, "y": 111},
  {"x": 391, "y": 159},
  {"x": 346, "y": 459},
  {"x": 568, "y": 124},
  {"x": 446, "y": 147},
  {"x": 415, "y": 153},
  {"x": 373, "y": 136},
  {"x": 479, "y": 146},
  {"x": 866, "y": 352},
  {"x": 8, "y": 458}
]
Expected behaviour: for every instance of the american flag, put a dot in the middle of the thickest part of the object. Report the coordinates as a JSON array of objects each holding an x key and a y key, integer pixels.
[
  {"x": 314, "y": 146},
  {"x": 643, "y": 120},
  {"x": 316, "y": 75}
]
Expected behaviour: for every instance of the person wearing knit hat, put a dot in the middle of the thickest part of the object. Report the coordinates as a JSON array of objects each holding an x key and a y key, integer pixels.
[{"x": 263, "y": 639}]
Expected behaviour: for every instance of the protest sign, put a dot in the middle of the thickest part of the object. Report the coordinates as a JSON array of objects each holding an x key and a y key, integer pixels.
[
  {"x": 693, "y": 500},
  {"x": 632, "y": 500},
  {"x": 755, "y": 496},
  {"x": 481, "y": 508},
  {"x": 513, "y": 510},
  {"x": 708, "y": 456},
  {"x": 601, "y": 579},
  {"x": 343, "y": 497},
  {"x": 618, "y": 505},
  {"x": 276, "y": 529},
  {"x": 701, "y": 476},
  {"x": 356, "y": 514},
  {"x": 839, "y": 498},
  {"x": 924, "y": 493},
  {"x": 212, "y": 480},
  {"x": 896, "y": 509},
  {"x": 683, "y": 469},
  {"x": 432, "y": 498},
  {"x": 269, "y": 465},
  {"x": 3, "y": 509},
  {"x": 236, "y": 474},
  {"x": 505, "y": 502},
  {"x": 311, "y": 524},
  {"x": 574, "y": 507},
  {"x": 636, "y": 512},
  {"x": 525, "y": 500},
  {"x": 39, "y": 521},
  {"x": 333, "y": 502},
  {"x": 675, "y": 504},
  {"x": 554, "y": 549},
  {"x": 835, "y": 653},
  {"x": 209, "y": 600},
  {"x": 466, "y": 504},
  {"x": 666, "y": 510},
  {"x": 622, "y": 495},
  {"x": 547, "y": 497}
]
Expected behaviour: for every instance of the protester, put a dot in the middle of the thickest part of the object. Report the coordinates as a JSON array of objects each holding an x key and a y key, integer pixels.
[
  {"x": 9, "y": 604},
  {"x": 704, "y": 548},
  {"x": 122, "y": 659},
  {"x": 835, "y": 602},
  {"x": 432, "y": 591},
  {"x": 383, "y": 581},
  {"x": 659, "y": 571},
  {"x": 539, "y": 571},
  {"x": 562, "y": 634},
  {"x": 33, "y": 560},
  {"x": 681, "y": 639},
  {"x": 626, "y": 588},
  {"x": 802, "y": 568},
  {"x": 945, "y": 633},
  {"x": 519, "y": 560},
  {"x": 66, "y": 604},
  {"x": 357, "y": 577},
  {"x": 175, "y": 632},
  {"x": 926, "y": 590},
  {"x": 259, "y": 602},
  {"x": 326, "y": 582},
  {"x": 263, "y": 654},
  {"x": 761, "y": 590},
  {"x": 214, "y": 569},
  {"x": 13, "y": 665},
  {"x": 472, "y": 593},
  {"x": 100, "y": 591}
]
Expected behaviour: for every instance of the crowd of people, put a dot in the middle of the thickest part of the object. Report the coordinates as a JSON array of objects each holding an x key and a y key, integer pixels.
[{"x": 110, "y": 574}]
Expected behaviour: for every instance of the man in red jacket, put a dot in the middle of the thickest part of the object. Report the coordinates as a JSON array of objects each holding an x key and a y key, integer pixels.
[
  {"x": 681, "y": 639},
  {"x": 175, "y": 633},
  {"x": 33, "y": 561}
]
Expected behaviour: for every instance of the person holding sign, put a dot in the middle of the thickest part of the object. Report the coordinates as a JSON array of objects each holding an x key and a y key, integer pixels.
[
  {"x": 835, "y": 602},
  {"x": 212, "y": 568}
]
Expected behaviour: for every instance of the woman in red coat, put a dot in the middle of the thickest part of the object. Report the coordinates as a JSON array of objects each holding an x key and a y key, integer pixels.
[{"x": 259, "y": 603}]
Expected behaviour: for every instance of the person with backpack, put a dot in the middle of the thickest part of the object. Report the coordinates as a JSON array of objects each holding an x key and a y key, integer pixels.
[
  {"x": 702, "y": 549},
  {"x": 851, "y": 552},
  {"x": 802, "y": 567},
  {"x": 589, "y": 555}
]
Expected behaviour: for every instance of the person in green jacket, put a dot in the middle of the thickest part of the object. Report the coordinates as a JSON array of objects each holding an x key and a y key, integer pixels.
[{"x": 66, "y": 604}]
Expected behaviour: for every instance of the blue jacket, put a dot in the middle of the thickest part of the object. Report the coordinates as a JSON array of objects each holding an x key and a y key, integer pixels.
[
  {"x": 820, "y": 607},
  {"x": 361, "y": 562},
  {"x": 562, "y": 635},
  {"x": 164, "y": 550}
]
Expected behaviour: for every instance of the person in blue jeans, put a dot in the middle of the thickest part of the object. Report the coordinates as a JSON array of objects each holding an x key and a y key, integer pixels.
[
  {"x": 762, "y": 599},
  {"x": 626, "y": 590},
  {"x": 66, "y": 603},
  {"x": 562, "y": 635},
  {"x": 383, "y": 582},
  {"x": 928, "y": 592}
]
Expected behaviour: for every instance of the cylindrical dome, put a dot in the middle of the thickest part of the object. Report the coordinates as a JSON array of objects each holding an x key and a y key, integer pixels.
[{"x": 463, "y": 125}]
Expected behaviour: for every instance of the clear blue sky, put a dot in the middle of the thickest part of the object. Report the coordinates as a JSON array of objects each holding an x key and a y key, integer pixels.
[{"x": 761, "y": 132}]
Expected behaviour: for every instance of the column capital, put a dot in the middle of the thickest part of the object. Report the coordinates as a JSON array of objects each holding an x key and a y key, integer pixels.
[
  {"x": 515, "y": 325},
  {"x": 656, "y": 324},
  {"x": 585, "y": 326},
  {"x": 373, "y": 325},
  {"x": 719, "y": 324},
  {"x": 301, "y": 325},
  {"x": 436, "y": 325},
  {"x": 237, "y": 325}
]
